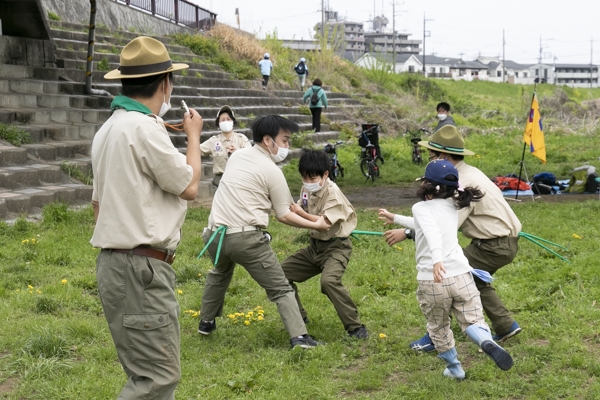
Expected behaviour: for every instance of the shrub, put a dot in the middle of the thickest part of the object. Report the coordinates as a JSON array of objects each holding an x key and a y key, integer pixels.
[
  {"x": 13, "y": 135},
  {"x": 46, "y": 344},
  {"x": 53, "y": 16}
]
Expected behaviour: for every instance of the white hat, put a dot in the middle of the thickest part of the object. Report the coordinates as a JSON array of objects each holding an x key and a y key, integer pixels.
[
  {"x": 303, "y": 59},
  {"x": 267, "y": 55}
]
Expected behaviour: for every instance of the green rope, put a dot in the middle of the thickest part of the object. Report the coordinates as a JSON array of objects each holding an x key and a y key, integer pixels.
[
  {"x": 535, "y": 239},
  {"x": 367, "y": 233},
  {"x": 221, "y": 228},
  {"x": 529, "y": 235}
]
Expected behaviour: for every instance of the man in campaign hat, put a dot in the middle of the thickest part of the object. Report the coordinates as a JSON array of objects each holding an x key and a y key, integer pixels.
[
  {"x": 490, "y": 223},
  {"x": 140, "y": 186}
]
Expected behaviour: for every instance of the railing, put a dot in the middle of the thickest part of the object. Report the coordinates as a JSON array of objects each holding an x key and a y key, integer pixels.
[{"x": 177, "y": 11}]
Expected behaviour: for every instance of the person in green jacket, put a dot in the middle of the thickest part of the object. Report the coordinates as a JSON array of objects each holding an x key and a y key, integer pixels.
[{"x": 317, "y": 101}]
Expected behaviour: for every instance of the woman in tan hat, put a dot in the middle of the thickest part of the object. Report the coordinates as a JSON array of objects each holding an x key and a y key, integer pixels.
[
  {"x": 140, "y": 184},
  {"x": 221, "y": 146}
]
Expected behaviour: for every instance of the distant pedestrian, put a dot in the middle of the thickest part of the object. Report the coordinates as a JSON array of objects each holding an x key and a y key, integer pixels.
[
  {"x": 318, "y": 100},
  {"x": 266, "y": 66},
  {"x": 302, "y": 70},
  {"x": 443, "y": 115}
]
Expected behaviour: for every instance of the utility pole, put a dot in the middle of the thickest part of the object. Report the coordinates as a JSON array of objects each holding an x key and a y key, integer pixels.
[
  {"x": 424, "y": 36},
  {"x": 323, "y": 21},
  {"x": 591, "y": 60},
  {"x": 394, "y": 36},
  {"x": 503, "y": 58}
]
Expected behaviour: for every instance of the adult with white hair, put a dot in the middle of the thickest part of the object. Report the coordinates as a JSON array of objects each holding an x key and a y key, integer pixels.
[
  {"x": 266, "y": 66},
  {"x": 302, "y": 70}
]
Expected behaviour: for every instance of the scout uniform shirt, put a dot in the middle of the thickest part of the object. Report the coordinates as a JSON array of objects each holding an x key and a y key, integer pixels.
[
  {"x": 216, "y": 147},
  {"x": 330, "y": 202},
  {"x": 252, "y": 186},
  {"x": 138, "y": 177}
]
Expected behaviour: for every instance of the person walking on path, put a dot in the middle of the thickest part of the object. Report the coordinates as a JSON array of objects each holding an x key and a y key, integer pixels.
[
  {"x": 443, "y": 115},
  {"x": 302, "y": 70},
  {"x": 317, "y": 99},
  {"x": 491, "y": 225},
  {"x": 266, "y": 66},
  {"x": 446, "y": 286},
  {"x": 328, "y": 252},
  {"x": 220, "y": 147},
  {"x": 251, "y": 187},
  {"x": 140, "y": 186}
]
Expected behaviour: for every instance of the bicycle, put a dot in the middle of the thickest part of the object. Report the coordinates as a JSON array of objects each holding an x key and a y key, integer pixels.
[
  {"x": 335, "y": 168},
  {"x": 370, "y": 153},
  {"x": 415, "y": 138}
]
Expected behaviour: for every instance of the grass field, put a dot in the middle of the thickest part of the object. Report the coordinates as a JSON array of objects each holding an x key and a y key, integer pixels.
[{"x": 55, "y": 344}]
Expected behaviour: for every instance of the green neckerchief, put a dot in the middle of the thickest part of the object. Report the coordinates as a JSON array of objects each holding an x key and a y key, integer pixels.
[{"x": 128, "y": 104}]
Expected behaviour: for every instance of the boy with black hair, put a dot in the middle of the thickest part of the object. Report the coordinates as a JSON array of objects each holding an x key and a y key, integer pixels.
[
  {"x": 443, "y": 115},
  {"x": 329, "y": 251},
  {"x": 251, "y": 187}
]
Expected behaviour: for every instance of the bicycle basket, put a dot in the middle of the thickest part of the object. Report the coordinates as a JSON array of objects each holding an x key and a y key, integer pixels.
[
  {"x": 369, "y": 133},
  {"x": 329, "y": 149}
]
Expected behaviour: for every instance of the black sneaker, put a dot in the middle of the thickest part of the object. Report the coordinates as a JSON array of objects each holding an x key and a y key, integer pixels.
[
  {"x": 359, "y": 333},
  {"x": 205, "y": 328},
  {"x": 304, "y": 341},
  {"x": 500, "y": 356}
]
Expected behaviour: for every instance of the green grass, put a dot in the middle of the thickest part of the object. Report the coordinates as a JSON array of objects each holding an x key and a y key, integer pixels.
[
  {"x": 55, "y": 343},
  {"x": 14, "y": 135}
]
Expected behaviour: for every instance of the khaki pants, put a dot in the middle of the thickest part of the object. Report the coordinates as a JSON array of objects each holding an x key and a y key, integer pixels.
[
  {"x": 139, "y": 304},
  {"x": 252, "y": 251},
  {"x": 491, "y": 255},
  {"x": 329, "y": 259},
  {"x": 456, "y": 295}
]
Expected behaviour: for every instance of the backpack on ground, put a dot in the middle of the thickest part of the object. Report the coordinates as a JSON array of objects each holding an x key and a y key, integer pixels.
[
  {"x": 591, "y": 185},
  {"x": 583, "y": 179},
  {"x": 314, "y": 99},
  {"x": 300, "y": 69},
  {"x": 510, "y": 183},
  {"x": 541, "y": 188},
  {"x": 547, "y": 178}
]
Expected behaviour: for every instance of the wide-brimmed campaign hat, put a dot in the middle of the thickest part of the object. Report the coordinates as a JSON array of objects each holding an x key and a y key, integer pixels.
[
  {"x": 144, "y": 56},
  {"x": 447, "y": 139},
  {"x": 221, "y": 111}
]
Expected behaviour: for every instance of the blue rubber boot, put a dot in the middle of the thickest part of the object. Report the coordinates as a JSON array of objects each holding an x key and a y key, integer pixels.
[
  {"x": 483, "y": 338},
  {"x": 453, "y": 368}
]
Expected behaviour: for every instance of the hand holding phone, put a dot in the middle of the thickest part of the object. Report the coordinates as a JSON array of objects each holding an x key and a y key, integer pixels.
[{"x": 185, "y": 107}]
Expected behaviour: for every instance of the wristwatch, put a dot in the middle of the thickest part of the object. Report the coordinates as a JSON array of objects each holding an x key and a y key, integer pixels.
[{"x": 408, "y": 233}]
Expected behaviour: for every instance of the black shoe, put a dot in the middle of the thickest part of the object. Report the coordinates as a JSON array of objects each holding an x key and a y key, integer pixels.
[
  {"x": 500, "y": 356},
  {"x": 205, "y": 328},
  {"x": 359, "y": 333},
  {"x": 304, "y": 341}
]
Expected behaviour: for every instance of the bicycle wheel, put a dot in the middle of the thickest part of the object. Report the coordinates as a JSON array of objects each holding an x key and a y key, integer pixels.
[
  {"x": 364, "y": 168},
  {"x": 416, "y": 157},
  {"x": 340, "y": 169},
  {"x": 374, "y": 170}
]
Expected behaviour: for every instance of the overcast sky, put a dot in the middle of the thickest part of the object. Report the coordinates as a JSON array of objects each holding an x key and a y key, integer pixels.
[{"x": 472, "y": 28}]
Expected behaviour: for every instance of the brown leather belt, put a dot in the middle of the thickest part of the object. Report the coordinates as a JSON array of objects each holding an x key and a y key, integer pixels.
[{"x": 163, "y": 255}]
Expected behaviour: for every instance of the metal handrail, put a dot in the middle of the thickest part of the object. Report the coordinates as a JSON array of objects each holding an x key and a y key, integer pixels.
[{"x": 180, "y": 12}]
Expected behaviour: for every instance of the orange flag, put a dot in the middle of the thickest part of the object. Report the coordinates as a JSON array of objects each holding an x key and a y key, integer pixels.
[{"x": 534, "y": 133}]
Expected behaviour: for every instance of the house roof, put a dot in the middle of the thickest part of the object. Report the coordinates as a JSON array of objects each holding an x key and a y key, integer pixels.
[
  {"x": 461, "y": 64},
  {"x": 388, "y": 57},
  {"x": 574, "y": 66},
  {"x": 431, "y": 59},
  {"x": 508, "y": 63}
]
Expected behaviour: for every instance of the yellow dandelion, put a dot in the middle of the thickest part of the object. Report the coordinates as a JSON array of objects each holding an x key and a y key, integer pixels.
[
  {"x": 261, "y": 312},
  {"x": 246, "y": 322},
  {"x": 64, "y": 281},
  {"x": 39, "y": 291},
  {"x": 195, "y": 314},
  {"x": 199, "y": 274},
  {"x": 25, "y": 241},
  {"x": 260, "y": 318},
  {"x": 230, "y": 316},
  {"x": 18, "y": 290},
  {"x": 398, "y": 247},
  {"x": 258, "y": 308},
  {"x": 32, "y": 240},
  {"x": 382, "y": 336},
  {"x": 576, "y": 236},
  {"x": 29, "y": 287},
  {"x": 250, "y": 313},
  {"x": 239, "y": 314},
  {"x": 179, "y": 291}
]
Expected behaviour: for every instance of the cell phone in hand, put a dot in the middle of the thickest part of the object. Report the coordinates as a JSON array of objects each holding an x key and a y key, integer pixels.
[{"x": 185, "y": 107}]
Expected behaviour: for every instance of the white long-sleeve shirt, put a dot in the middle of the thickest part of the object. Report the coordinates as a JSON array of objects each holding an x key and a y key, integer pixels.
[{"x": 436, "y": 239}]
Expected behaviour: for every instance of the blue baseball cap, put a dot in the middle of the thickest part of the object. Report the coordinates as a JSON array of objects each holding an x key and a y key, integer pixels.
[{"x": 437, "y": 171}]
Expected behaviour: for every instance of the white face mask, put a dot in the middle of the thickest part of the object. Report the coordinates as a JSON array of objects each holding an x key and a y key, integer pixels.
[
  {"x": 166, "y": 106},
  {"x": 442, "y": 117},
  {"x": 226, "y": 126},
  {"x": 282, "y": 153},
  {"x": 313, "y": 187}
]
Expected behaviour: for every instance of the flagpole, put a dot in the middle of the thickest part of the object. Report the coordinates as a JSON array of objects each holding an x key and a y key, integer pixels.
[{"x": 525, "y": 145}]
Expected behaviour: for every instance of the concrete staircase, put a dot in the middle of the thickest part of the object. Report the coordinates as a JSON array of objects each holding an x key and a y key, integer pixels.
[{"x": 51, "y": 104}]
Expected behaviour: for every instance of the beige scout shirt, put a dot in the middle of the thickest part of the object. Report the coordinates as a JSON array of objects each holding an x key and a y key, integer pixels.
[
  {"x": 138, "y": 177},
  {"x": 489, "y": 218},
  {"x": 216, "y": 147},
  {"x": 252, "y": 185},
  {"x": 330, "y": 202}
]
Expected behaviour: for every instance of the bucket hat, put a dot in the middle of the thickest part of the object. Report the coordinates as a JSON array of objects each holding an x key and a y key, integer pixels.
[
  {"x": 447, "y": 139},
  {"x": 221, "y": 111},
  {"x": 437, "y": 171},
  {"x": 144, "y": 56}
]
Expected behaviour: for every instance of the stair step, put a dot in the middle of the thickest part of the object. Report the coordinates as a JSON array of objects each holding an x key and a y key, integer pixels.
[
  {"x": 50, "y": 151},
  {"x": 32, "y": 199},
  {"x": 28, "y": 175},
  {"x": 11, "y": 155}
]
